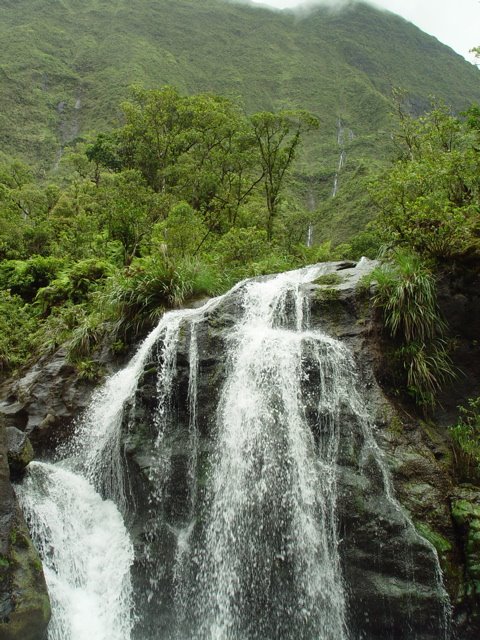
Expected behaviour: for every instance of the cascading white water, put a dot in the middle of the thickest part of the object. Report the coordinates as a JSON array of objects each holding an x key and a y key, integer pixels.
[
  {"x": 257, "y": 549},
  {"x": 81, "y": 537},
  {"x": 82, "y": 540},
  {"x": 86, "y": 554},
  {"x": 269, "y": 562}
]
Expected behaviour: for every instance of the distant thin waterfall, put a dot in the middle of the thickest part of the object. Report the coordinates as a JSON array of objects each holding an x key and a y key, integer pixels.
[
  {"x": 344, "y": 135},
  {"x": 310, "y": 235}
]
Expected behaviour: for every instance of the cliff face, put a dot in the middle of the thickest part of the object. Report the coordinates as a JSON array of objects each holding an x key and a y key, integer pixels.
[
  {"x": 387, "y": 553},
  {"x": 24, "y": 602},
  {"x": 389, "y": 531}
]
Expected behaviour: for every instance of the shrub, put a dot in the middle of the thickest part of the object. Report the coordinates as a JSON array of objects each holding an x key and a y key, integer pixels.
[
  {"x": 26, "y": 277},
  {"x": 406, "y": 294},
  {"x": 17, "y": 326},
  {"x": 135, "y": 298},
  {"x": 466, "y": 434},
  {"x": 74, "y": 284}
]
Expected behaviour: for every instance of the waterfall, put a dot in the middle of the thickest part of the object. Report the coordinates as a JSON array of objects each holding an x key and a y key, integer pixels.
[
  {"x": 344, "y": 135},
  {"x": 310, "y": 235},
  {"x": 269, "y": 562},
  {"x": 81, "y": 537},
  {"x": 242, "y": 457},
  {"x": 86, "y": 554}
]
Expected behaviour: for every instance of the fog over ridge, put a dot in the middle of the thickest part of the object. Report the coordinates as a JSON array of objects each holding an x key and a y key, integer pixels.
[{"x": 305, "y": 5}]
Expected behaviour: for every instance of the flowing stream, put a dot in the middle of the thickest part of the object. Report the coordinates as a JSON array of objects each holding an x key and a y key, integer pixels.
[{"x": 257, "y": 553}]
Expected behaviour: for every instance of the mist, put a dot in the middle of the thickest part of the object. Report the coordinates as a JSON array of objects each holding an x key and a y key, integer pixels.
[{"x": 304, "y": 7}]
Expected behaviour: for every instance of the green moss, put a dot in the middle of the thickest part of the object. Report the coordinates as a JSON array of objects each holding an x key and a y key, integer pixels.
[
  {"x": 329, "y": 279},
  {"x": 466, "y": 514},
  {"x": 463, "y": 511},
  {"x": 395, "y": 425},
  {"x": 441, "y": 544},
  {"x": 37, "y": 564},
  {"x": 327, "y": 295},
  {"x": 31, "y": 613}
]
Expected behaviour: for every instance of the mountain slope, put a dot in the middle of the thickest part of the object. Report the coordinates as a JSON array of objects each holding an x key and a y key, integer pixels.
[{"x": 67, "y": 64}]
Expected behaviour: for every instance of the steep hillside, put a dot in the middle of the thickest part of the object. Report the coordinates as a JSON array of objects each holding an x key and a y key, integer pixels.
[{"x": 67, "y": 64}]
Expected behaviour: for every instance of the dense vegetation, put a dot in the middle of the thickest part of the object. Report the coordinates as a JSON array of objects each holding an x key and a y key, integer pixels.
[
  {"x": 67, "y": 65},
  {"x": 429, "y": 225},
  {"x": 183, "y": 200},
  {"x": 182, "y": 194}
]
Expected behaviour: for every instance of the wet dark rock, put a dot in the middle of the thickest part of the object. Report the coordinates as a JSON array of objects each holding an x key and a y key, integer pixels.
[
  {"x": 20, "y": 451},
  {"x": 388, "y": 564},
  {"x": 387, "y": 551},
  {"x": 44, "y": 402},
  {"x": 466, "y": 516},
  {"x": 24, "y": 601}
]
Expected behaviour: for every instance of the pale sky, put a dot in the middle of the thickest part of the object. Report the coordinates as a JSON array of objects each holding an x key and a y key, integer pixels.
[{"x": 454, "y": 22}]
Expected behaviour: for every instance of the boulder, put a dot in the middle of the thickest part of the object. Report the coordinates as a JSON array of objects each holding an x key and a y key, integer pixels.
[
  {"x": 20, "y": 451},
  {"x": 24, "y": 601}
]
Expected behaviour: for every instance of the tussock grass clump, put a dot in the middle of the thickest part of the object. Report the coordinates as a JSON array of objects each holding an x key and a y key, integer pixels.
[{"x": 406, "y": 294}]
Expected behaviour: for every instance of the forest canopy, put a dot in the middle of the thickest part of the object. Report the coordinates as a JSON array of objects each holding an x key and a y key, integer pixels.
[{"x": 188, "y": 196}]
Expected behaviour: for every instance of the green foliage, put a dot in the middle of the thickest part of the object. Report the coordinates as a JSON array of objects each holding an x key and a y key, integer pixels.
[
  {"x": 127, "y": 209},
  {"x": 134, "y": 299},
  {"x": 56, "y": 329},
  {"x": 241, "y": 246},
  {"x": 429, "y": 201},
  {"x": 172, "y": 202},
  {"x": 406, "y": 294},
  {"x": 466, "y": 434},
  {"x": 86, "y": 336},
  {"x": 332, "y": 63},
  {"x": 277, "y": 136},
  {"x": 182, "y": 233},
  {"x": 26, "y": 277},
  {"x": 329, "y": 279},
  {"x": 89, "y": 370},
  {"x": 74, "y": 284},
  {"x": 17, "y": 324},
  {"x": 275, "y": 62}
]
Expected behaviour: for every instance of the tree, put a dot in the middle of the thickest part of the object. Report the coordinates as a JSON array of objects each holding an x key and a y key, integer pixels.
[
  {"x": 217, "y": 168},
  {"x": 127, "y": 210},
  {"x": 429, "y": 200},
  {"x": 104, "y": 152},
  {"x": 25, "y": 209},
  {"x": 278, "y": 136},
  {"x": 151, "y": 138}
]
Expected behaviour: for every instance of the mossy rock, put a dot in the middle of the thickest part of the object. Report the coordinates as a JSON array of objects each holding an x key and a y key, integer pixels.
[
  {"x": 441, "y": 544},
  {"x": 327, "y": 294},
  {"x": 329, "y": 279},
  {"x": 466, "y": 515},
  {"x": 30, "y": 613},
  {"x": 20, "y": 451}
]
